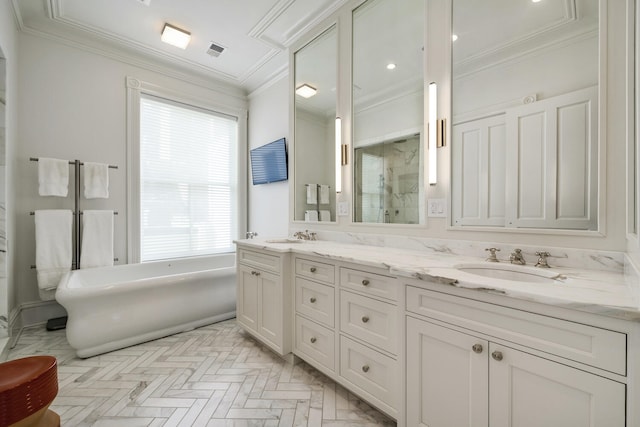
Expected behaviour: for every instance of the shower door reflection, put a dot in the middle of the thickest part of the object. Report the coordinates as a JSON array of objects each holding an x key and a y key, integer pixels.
[{"x": 387, "y": 181}]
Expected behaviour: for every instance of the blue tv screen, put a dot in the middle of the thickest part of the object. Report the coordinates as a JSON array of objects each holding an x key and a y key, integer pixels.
[{"x": 269, "y": 162}]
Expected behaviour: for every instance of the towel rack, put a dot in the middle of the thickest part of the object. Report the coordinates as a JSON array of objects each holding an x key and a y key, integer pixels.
[{"x": 76, "y": 210}]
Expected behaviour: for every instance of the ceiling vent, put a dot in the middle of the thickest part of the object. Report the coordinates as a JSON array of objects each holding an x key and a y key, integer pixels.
[{"x": 215, "y": 50}]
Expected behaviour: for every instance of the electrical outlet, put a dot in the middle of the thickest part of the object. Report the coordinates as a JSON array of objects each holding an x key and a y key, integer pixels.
[
  {"x": 343, "y": 208},
  {"x": 437, "y": 208}
]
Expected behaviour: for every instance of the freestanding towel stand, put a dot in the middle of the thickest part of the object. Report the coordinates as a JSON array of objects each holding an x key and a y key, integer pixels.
[{"x": 61, "y": 322}]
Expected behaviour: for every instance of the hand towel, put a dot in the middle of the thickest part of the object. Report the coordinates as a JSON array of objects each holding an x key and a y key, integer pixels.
[
  {"x": 96, "y": 180},
  {"x": 324, "y": 194},
  {"x": 97, "y": 239},
  {"x": 53, "y": 246},
  {"x": 53, "y": 177},
  {"x": 311, "y": 216},
  {"x": 325, "y": 215},
  {"x": 312, "y": 194}
]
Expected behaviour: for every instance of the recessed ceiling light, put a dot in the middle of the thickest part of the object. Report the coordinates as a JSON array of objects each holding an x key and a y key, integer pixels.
[
  {"x": 391, "y": 66},
  {"x": 175, "y": 36},
  {"x": 536, "y": 1},
  {"x": 454, "y": 37},
  {"x": 306, "y": 91}
]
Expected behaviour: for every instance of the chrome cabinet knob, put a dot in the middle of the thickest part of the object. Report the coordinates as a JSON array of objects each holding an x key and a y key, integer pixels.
[
  {"x": 497, "y": 355},
  {"x": 365, "y": 319},
  {"x": 477, "y": 348},
  {"x": 365, "y": 368},
  {"x": 365, "y": 282},
  {"x": 313, "y": 340},
  {"x": 312, "y": 300},
  {"x": 312, "y": 269}
]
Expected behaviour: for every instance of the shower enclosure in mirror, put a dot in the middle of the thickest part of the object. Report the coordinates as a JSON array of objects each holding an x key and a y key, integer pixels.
[
  {"x": 315, "y": 70},
  {"x": 525, "y": 129},
  {"x": 388, "y": 111}
]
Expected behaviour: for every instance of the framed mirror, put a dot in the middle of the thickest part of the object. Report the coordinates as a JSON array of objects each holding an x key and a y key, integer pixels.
[
  {"x": 525, "y": 114},
  {"x": 388, "y": 111},
  {"x": 315, "y": 71}
]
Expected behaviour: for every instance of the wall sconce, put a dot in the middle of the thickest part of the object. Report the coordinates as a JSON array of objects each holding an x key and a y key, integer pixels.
[
  {"x": 175, "y": 36},
  {"x": 436, "y": 133},
  {"x": 340, "y": 160}
]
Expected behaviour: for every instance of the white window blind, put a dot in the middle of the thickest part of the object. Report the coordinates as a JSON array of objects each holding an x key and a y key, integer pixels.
[{"x": 188, "y": 180}]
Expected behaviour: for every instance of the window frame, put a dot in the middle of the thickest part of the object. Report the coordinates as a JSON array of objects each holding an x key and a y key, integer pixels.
[{"x": 135, "y": 89}]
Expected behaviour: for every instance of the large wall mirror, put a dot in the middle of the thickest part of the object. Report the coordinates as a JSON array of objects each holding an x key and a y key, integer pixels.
[
  {"x": 388, "y": 111},
  {"x": 4, "y": 303},
  {"x": 525, "y": 129},
  {"x": 315, "y": 70}
]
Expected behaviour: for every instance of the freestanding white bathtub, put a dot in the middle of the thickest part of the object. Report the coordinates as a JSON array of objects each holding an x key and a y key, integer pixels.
[{"x": 110, "y": 308}]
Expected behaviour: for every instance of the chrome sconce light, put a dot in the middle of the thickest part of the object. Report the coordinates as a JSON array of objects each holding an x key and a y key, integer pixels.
[{"x": 436, "y": 133}]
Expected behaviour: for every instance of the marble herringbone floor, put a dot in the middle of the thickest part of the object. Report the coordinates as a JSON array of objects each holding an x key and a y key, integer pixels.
[{"x": 212, "y": 376}]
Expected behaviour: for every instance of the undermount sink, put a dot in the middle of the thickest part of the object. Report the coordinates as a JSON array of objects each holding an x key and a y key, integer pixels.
[
  {"x": 285, "y": 240},
  {"x": 511, "y": 272}
]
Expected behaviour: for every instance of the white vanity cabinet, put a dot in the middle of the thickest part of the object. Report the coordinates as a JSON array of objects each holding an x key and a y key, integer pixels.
[
  {"x": 475, "y": 364},
  {"x": 264, "y": 297},
  {"x": 369, "y": 343}
]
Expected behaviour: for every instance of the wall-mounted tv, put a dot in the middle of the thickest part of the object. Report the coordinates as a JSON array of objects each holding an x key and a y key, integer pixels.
[{"x": 269, "y": 162}]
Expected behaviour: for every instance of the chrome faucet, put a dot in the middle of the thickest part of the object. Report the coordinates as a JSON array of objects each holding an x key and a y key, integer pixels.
[
  {"x": 304, "y": 235},
  {"x": 251, "y": 234},
  {"x": 492, "y": 254},
  {"x": 542, "y": 259},
  {"x": 516, "y": 257}
]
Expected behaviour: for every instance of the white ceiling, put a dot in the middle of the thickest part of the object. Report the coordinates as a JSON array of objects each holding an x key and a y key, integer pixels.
[{"x": 255, "y": 33}]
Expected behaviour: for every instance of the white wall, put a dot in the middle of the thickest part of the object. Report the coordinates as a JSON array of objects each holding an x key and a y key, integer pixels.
[
  {"x": 9, "y": 45},
  {"x": 72, "y": 105},
  {"x": 268, "y": 121}
]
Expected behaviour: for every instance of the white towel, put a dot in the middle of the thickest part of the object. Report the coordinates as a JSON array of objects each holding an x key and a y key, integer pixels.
[
  {"x": 53, "y": 177},
  {"x": 311, "y": 216},
  {"x": 96, "y": 180},
  {"x": 312, "y": 194},
  {"x": 53, "y": 247},
  {"x": 324, "y": 194},
  {"x": 97, "y": 239},
  {"x": 325, "y": 215}
]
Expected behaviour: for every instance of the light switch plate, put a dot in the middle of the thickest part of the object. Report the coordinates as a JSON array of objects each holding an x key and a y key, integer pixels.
[
  {"x": 343, "y": 208},
  {"x": 437, "y": 208}
]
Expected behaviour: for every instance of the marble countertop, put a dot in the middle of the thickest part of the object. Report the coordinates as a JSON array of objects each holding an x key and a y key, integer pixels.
[{"x": 608, "y": 293}]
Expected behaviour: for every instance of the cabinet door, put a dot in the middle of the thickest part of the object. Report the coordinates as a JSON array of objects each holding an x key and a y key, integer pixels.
[
  {"x": 247, "y": 303},
  {"x": 270, "y": 308},
  {"x": 447, "y": 377},
  {"x": 529, "y": 391}
]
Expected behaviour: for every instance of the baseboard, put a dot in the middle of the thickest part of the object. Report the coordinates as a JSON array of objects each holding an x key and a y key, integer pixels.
[{"x": 35, "y": 313}]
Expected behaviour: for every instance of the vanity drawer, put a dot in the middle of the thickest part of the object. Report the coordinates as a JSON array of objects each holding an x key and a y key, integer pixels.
[
  {"x": 372, "y": 321},
  {"x": 315, "y": 270},
  {"x": 315, "y": 342},
  {"x": 259, "y": 260},
  {"x": 315, "y": 301},
  {"x": 370, "y": 283},
  {"x": 370, "y": 370},
  {"x": 601, "y": 348}
]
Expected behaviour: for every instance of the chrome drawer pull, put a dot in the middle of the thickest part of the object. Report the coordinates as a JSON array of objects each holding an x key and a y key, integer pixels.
[
  {"x": 365, "y": 319},
  {"x": 365, "y": 282},
  {"x": 313, "y": 340},
  {"x": 312, "y": 300},
  {"x": 497, "y": 355},
  {"x": 365, "y": 368},
  {"x": 477, "y": 348},
  {"x": 312, "y": 269}
]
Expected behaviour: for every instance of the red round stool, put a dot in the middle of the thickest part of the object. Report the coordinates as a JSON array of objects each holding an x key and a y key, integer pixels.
[{"x": 27, "y": 388}]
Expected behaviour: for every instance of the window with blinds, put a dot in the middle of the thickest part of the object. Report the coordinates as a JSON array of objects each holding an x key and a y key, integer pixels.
[{"x": 188, "y": 180}]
